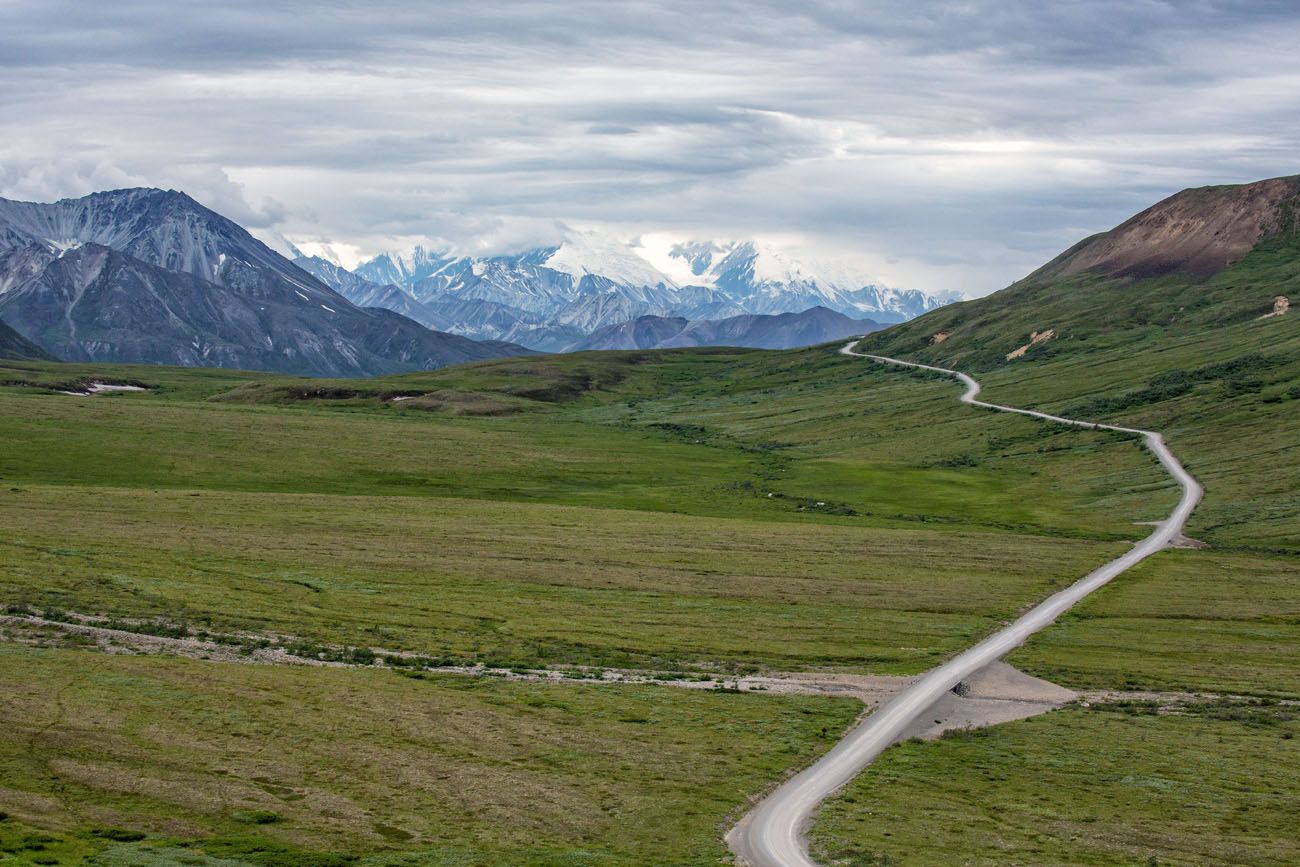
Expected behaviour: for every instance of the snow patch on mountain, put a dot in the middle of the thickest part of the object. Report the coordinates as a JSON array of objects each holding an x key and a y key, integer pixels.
[
  {"x": 404, "y": 269},
  {"x": 346, "y": 256},
  {"x": 684, "y": 262},
  {"x": 601, "y": 255},
  {"x": 279, "y": 243}
]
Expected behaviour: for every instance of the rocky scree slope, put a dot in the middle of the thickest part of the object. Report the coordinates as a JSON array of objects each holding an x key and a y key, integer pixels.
[{"x": 152, "y": 276}]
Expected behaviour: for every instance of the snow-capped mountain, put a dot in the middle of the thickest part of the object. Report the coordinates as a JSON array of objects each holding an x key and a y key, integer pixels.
[
  {"x": 150, "y": 275},
  {"x": 766, "y": 279},
  {"x": 590, "y": 253},
  {"x": 544, "y": 296},
  {"x": 403, "y": 269}
]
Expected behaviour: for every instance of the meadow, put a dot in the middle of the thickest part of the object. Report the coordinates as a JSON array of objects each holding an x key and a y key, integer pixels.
[
  {"x": 768, "y": 514},
  {"x": 156, "y": 760},
  {"x": 703, "y": 512},
  {"x": 1180, "y": 781},
  {"x": 1109, "y": 784}
]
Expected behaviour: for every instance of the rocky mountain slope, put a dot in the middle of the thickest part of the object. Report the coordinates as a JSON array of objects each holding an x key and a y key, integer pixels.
[
  {"x": 364, "y": 293},
  {"x": 757, "y": 331},
  {"x": 1197, "y": 232},
  {"x": 152, "y": 276}
]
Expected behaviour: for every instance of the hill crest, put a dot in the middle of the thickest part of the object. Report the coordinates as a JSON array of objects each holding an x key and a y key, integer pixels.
[{"x": 1197, "y": 232}]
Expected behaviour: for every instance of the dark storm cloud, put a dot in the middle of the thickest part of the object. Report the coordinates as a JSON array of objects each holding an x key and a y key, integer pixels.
[{"x": 953, "y": 144}]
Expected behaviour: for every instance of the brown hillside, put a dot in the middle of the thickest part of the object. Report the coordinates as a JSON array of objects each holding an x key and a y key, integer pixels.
[{"x": 1197, "y": 232}]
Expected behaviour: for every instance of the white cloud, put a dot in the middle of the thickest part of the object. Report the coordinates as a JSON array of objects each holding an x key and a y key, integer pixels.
[{"x": 952, "y": 144}]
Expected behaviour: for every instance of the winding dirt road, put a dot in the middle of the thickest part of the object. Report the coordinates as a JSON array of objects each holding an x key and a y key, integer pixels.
[{"x": 773, "y": 833}]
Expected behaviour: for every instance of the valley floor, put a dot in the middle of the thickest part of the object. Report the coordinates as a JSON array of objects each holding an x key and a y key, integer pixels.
[
  {"x": 708, "y": 515},
  {"x": 1111, "y": 783}
]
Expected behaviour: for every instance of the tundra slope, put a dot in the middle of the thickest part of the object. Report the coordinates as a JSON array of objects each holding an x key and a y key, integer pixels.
[{"x": 773, "y": 833}]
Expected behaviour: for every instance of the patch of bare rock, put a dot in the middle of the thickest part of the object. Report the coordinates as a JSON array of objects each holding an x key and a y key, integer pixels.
[
  {"x": 1035, "y": 338},
  {"x": 1281, "y": 304}
]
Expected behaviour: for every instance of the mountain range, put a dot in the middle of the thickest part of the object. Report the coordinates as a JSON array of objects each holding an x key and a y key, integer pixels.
[
  {"x": 779, "y": 331},
  {"x": 152, "y": 276},
  {"x": 553, "y": 299}
]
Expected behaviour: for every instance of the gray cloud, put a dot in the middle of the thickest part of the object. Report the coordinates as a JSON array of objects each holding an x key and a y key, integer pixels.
[{"x": 949, "y": 144}]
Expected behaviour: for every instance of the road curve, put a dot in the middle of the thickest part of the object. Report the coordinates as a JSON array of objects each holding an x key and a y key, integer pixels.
[{"x": 773, "y": 833}]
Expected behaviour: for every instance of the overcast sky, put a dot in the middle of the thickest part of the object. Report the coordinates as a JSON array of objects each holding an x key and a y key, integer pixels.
[{"x": 939, "y": 145}]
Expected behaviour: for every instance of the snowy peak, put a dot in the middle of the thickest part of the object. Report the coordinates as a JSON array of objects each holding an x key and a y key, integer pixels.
[
  {"x": 279, "y": 244},
  {"x": 593, "y": 280},
  {"x": 751, "y": 264},
  {"x": 403, "y": 269},
  {"x": 598, "y": 255},
  {"x": 699, "y": 256}
]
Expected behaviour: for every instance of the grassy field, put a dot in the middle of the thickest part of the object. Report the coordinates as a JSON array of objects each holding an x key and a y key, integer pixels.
[
  {"x": 1227, "y": 398},
  {"x": 1191, "y": 359},
  {"x": 1186, "y": 620},
  {"x": 1212, "y": 784},
  {"x": 734, "y": 508},
  {"x": 300, "y": 766},
  {"x": 711, "y": 510},
  {"x": 527, "y": 584},
  {"x": 688, "y": 510},
  {"x": 699, "y": 432},
  {"x": 1109, "y": 785}
]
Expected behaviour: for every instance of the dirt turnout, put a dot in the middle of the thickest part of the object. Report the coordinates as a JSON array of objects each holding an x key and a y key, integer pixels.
[{"x": 995, "y": 694}]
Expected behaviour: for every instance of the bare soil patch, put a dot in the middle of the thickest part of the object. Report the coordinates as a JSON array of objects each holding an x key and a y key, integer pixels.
[{"x": 1035, "y": 338}]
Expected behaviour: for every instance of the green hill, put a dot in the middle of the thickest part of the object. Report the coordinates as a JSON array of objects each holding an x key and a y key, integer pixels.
[
  {"x": 1198, "y": 262},
  {"x": 1176, "y": 320}
]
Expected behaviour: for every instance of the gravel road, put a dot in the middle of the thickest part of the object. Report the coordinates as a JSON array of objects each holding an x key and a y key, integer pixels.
[{"x": 773, "y": 834}]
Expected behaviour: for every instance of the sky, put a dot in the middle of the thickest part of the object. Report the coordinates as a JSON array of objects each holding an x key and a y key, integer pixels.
[{"x": 940, "y": 146}]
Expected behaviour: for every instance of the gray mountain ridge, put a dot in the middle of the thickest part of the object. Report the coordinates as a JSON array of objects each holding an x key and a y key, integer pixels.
[
  {"x": 753, "y": 330},
  {"x": 152, "y": 276}
]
